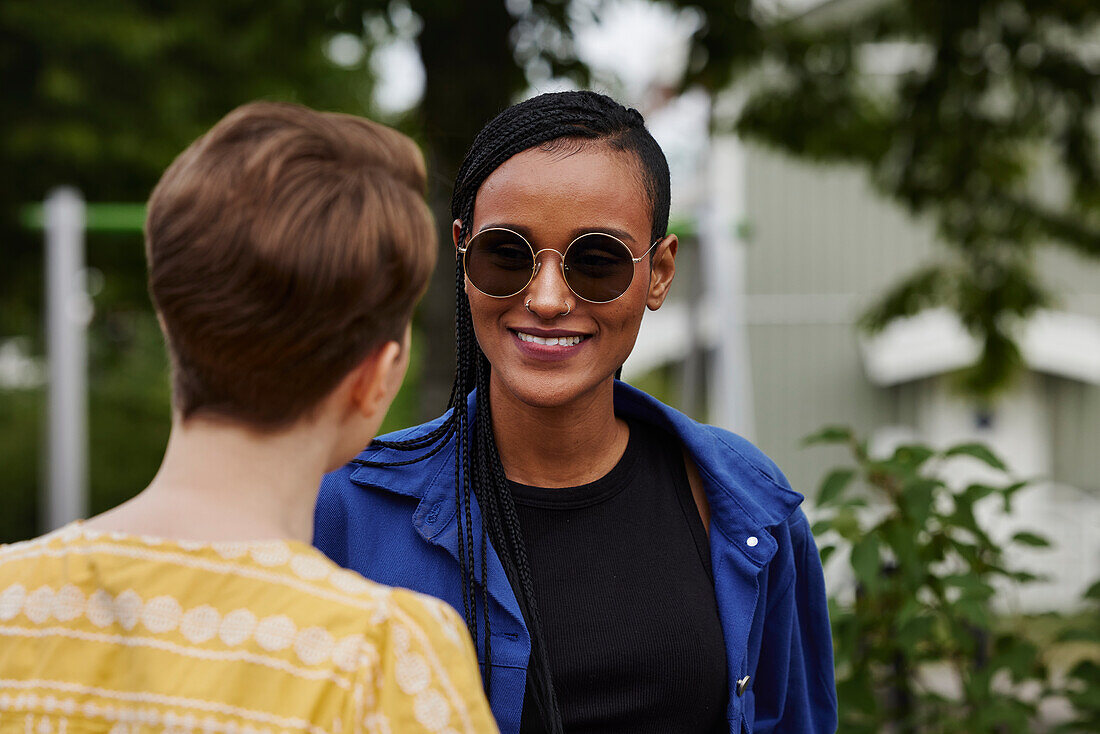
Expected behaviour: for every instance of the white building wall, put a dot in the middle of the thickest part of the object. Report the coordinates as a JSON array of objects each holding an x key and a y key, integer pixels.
[{"x": 823, "y": 246}]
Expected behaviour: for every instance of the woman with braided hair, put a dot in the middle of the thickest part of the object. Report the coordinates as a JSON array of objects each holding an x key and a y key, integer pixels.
[{"x": 620, "y": 567}]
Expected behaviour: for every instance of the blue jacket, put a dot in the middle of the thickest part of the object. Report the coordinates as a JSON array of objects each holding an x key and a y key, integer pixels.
[{"x": 399, "y": 526}]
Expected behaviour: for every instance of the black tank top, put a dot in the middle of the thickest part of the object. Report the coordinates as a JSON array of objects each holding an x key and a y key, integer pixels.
[{"x": 623, "y": 582}]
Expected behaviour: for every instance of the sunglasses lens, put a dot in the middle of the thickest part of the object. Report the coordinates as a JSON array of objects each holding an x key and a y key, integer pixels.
[
  {"x": 599, "y": 267},
  {"x": 499, "y": 262}
]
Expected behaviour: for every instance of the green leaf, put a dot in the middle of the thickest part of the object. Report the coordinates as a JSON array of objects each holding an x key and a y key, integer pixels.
[
  {"x": 834, "y": 484},
  {"x": 1026, "y": 577},
  {"x": 979, "y": 452},
  {"x": 963, "y": 517},
  {"x": 847, "y": 524},
  {"x": 1016, "y": 655},
  {"x": 826, "y": 552},
  {"x": 1087, "y": 670},
  {"x": 1093, "y": 592},
  {"x": 970, "y": 584},
  {"x": 1035, "y": 541},
  {"x": 917, "y": 500},
  {"x": 858, "y": 694},
  {"x": 914, "y": 631},
  {"x": 866, "y": 562},
  {"x": 1009, "y": 493},
  {"x": 1078, "y": 635},
  {"x": 910, "y": 457},
  {"x": 910, "y": 609},
  {"x": 977, "y": 492},
  {"x": 829, "y": 434},
  {"x": 972, "y": 610},
  {"x": 903, "y": 541}
]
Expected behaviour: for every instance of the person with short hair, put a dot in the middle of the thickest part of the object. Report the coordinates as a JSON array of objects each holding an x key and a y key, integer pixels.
[
  {"x": 286, "y": 250},
  {"x": 623, "y": 568}
]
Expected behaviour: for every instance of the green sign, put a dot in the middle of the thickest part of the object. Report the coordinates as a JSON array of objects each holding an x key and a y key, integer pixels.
[{"x": 100, "y": 217}]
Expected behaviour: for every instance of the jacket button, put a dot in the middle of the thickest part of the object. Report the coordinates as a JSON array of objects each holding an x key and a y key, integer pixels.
[
  {"x": 743, "y": 684},
  {"x": 752, "y": 541}
]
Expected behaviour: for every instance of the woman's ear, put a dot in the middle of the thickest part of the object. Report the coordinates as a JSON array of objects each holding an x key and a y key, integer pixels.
[
  {"x": 456, "y": 232},
  {"x": 662, "y": 271}
]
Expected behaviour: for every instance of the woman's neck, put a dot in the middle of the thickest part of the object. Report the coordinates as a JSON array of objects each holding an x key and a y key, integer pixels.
[
  {"x": 563, "y": 446},
  {"x": 220, "y": 481}
]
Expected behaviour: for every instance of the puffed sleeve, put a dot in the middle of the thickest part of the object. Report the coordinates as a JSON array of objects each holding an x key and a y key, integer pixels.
[
  {"x": 795, "y": 689},
  {"x": 423, "y": 677}
]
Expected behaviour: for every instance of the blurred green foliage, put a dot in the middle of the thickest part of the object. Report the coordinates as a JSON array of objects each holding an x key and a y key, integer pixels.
[
  {"x": 103, "y": 96},
  {"x": 21, "y": 428},
  {"x": 1083, "y": 681},
  {"x": 983, "y": 115},
  {"x": 919, "y": 646}
]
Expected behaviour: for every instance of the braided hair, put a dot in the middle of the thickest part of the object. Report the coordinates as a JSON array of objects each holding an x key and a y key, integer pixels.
[{"x": 547, "y": 121}]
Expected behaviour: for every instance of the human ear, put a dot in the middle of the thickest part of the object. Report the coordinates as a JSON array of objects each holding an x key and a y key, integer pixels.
[
  {"x": 377, "y": 378},
  {"x": 662, "y": 271},
  {"x": 456, "y": 232}
]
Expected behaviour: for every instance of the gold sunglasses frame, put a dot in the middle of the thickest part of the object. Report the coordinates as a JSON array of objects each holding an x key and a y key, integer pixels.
[{"x": 536, "y": 264}]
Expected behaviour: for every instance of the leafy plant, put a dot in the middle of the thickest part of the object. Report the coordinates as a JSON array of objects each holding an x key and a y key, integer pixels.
[
  {"x": 918, "y": 647},
  {"x": 1083, "y": 685}
]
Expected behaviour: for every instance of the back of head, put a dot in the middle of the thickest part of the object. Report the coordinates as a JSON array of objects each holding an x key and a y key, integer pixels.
[
  {"x": 283, "y": 246},
  {"x": 579, "y": 116}
]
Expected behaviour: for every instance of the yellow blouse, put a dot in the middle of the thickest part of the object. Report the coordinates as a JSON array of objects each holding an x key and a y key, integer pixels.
[{"x": 132, "y": 635}]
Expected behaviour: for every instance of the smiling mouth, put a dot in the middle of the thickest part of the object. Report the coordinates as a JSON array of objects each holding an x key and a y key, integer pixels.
[{"x": 551, "y": 341}]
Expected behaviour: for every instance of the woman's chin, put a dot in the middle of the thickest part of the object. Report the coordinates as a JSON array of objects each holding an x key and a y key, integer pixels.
[{"x": 553, "y": 389}]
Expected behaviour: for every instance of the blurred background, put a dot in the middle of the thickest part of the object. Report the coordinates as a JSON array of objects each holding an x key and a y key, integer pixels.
[{"x": 889, "y": 213}]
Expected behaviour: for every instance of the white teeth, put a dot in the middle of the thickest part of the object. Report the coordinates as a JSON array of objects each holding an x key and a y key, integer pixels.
[{"x": 553, "y": 341}]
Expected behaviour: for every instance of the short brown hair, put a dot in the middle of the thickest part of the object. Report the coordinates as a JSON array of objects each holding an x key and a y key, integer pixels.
[{"x": 284, "y": 245}]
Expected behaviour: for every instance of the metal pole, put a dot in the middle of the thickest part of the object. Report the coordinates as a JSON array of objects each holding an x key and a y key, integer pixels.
[
  {"x": 730, "y": 382},
  {"x": 68, "y": 311}
]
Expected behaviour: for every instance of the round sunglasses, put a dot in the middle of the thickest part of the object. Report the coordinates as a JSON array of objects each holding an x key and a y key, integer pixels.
[{"x": 597, "y": 267}]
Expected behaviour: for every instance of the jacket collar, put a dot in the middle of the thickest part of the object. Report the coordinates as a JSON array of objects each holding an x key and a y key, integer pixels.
[
  {"x": 746, "y": 491},
  {"x": 407, "y": 477},
  {"x": 432, "y": 480},
  {"x": 753, "y": 483}
]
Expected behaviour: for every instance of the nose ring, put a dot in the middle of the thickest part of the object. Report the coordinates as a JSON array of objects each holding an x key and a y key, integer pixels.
[{"x": 568, "y": 309}]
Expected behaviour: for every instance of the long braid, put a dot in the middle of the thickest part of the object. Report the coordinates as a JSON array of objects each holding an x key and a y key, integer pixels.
[
  {"x": 542, "y": 120},
  {"x": 510, "y": 536},
  {"x": 462, "y": 483}
]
